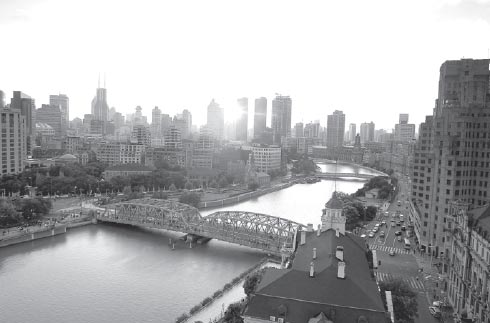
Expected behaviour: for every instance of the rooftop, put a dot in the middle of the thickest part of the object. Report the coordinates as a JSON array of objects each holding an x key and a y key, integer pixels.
[{"x": 334, "y": 202}]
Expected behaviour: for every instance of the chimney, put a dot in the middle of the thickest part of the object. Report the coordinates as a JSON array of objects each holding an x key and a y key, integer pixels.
[
  {"x": 303, "y": 237},
  {"x": 312, "y": 269},
  {"x": 337, "y": 232},
  {"x": 319, "y": 230},
  {"x": 341, "y": 270},
  {"x": 314, "y": 253},
  {"x": 310, "y": 227},
  {"x": 339, "y": 254}
]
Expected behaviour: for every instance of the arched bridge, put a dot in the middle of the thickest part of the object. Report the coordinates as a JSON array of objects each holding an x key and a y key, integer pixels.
[{"x": 255, "y": 230}]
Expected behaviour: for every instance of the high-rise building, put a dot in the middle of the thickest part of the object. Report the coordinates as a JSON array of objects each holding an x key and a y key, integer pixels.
[
  {"x": 312, "y": 130},
  {"x": 299, "y": 130},
  {"x": 403, "y": 130},
  {"x": 203, "y": 149},
  {"x": 352, "y": 133},
  {"x": 173, "y": 138},
  {"x": 187, "y": 117},
  {"x": 216, "y": 119},
  {"x": 335, "y": 129},
  {"x": 166, "y": 122},
  {"x": 13, "y": 140},
  {"x": 63, "y": 102},
  {"x": 241, "y": 123},
  {"x": 141, "y": 134},
  {"x": 260, "y": 116},
  {"x": 367, "y": 132},
  {"x": 100, "y": 108},
  {"x": 156, "y": 122},
  {"x": 281, "y": 117},
  {"x": 52, "y": 115},
  {"x": 27, "y": 107},
  {"x": 452, "y": 156},
  {"x": 266, "y": 158}
]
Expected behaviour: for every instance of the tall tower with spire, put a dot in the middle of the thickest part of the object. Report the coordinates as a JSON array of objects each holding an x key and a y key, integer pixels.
[{"x": 100, "y": 108}]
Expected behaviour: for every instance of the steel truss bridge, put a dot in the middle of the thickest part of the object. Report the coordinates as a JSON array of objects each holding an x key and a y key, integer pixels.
[{"x": 265, "y": 232}]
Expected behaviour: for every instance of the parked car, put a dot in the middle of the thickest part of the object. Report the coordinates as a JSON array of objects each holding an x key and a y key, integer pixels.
[
  {"x": 371, "y": 234},
  {"x": 399, "y": 238},
  {"x": 398, "y": 233},
  {"x": 375, "y": 229},
  {"x": 392, "y": 253},
  {"x": 435, "y": 311},
  {"x": 363, "y": 236},
  {"x": 393, "y": 224},
  {"x": 403, "y": 228},
  {"x": 382, "y": 234}
]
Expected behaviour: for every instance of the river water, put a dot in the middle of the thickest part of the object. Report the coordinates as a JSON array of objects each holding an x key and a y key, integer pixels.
[{"x": 109, "y": 273}]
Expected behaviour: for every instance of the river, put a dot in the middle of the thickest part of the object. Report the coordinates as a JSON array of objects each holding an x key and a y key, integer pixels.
[{"x": 109, "y": 273}]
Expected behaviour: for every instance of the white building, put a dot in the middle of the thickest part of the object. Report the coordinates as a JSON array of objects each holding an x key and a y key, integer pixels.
[
  {"x": 13, "y": 149},
  {"x": 266, "y": 158}
]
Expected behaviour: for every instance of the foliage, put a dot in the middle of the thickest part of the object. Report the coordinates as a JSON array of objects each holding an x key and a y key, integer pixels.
[
  {"x": 385, "y": 188},
  {"x": 253, "y": 186},
  {"x": 191, "y": 198},
  {"x": 352, "y": 216},
  {"x": 182, "y": 318},
  {"x": 251, "y": 282},
  {"x": 172, "y": 187},
  {"x": 9, "y": 216},
  {"x": 32, "y": 208},
  {"x": 404, "y": 299},
  {"x": 304, "y": 166},
  {"x": 276, "y": 172},
  {"x": 232, "y": 314},
  {"x": 195, "y": 309},
  {"x": 223, "y": 182},
  {"x": 206, "y": 301},
  {"x": 160, "y": 195},
  {"x": 371, "y": 212},
  {"x": 188, "y": 185}
]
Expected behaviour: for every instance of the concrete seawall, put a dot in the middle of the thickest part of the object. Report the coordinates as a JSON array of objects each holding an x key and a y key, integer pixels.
[
  {"x": 243, "y": 197},
  {"x": 34, "y": 236}
]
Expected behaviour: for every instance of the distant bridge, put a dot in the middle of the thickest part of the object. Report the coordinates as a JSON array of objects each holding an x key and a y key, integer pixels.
[
  {"x": 345, "y": 175},
  {"x": 260, "y": 231}
]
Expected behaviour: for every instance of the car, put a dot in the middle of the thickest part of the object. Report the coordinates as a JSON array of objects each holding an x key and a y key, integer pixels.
[
  {"x": 392, "y": 253},
  {"x": 436, "y": 312},
  {"x": 375, "y": 229},
  {"x": 398, "y": 223},
  {"x": 383, "y": 222},
  {"x": 399, "y": 238},
  {"x": 403, "y": 228},
  {"x": 393, "y": 224},
  {"x": 382, "y": 234},
  {"x": 376, "y": 225},
  {"x": 398, "y": 233},
  {"x": 363, "y": 236},
  {"x": 371, "y": 234}
]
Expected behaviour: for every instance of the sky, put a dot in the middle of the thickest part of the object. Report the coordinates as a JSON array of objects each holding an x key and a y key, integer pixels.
[{"x": 370, "y": 59}]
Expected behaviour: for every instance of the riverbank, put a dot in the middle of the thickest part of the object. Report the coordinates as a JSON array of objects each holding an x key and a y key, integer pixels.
[{"x": 245, "y": 196}]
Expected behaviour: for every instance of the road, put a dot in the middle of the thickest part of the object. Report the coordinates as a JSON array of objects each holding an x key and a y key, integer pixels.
[{"x": 403, "y": 263}]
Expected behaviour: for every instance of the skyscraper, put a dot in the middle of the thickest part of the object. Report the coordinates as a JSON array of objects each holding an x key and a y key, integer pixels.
[
  {"x": 216, "y": 120},
  {"x": 242, "y": 122},
  {"x": 13, "y": 144},
  {"x": 63, "y": 102},
  {"x": 51, "y": 115},
  {"x": 260, "y": 116},
  {"x": 299, "y": 130},
  {"x": 452, "y": 156},
  {"x": 156, "y": 122},
  {"x": 335, "y": 129},
  {"x": 403, "y": 130},
  {"x": 367, "y": 132},
  {"x": 281, "y": 117},
  {"x": 352, "y": 133},
  {"x": 27, "y": 107},
  {"x": 100, "y": 109}
]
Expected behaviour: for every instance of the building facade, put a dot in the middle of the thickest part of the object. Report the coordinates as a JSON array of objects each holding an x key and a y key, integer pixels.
[
  {"x": 281, "y": 117},
  {"x": 260, "y": 116},
  {"x": 266, "y": 158},
  {"x": 335, "y": 129},
  {"x": 242, "y": 121},
  {"x": 13, "y": 148},
  {"x": 216, "y": 120},
  {"x": 367, "y": 132}
]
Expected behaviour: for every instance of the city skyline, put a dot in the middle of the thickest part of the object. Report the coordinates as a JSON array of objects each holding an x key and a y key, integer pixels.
[{"x": 185, "y": 70}]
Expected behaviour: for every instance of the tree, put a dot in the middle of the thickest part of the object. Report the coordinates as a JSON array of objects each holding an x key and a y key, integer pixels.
[
  {"x": 190, "y": 198},
  {"x": 223, "y": 182},
  {"x": 232, "y": 314},
  {"x": 188, "y": 185},
  {"x": 371, "y": 212},
  {"x": 32, "y": 208},
  {"x": 9, "y": 216},
  {"x": 160, "y": 195},
  {"x": 253, "y": 186},
  {"x": 404, "y": 300},
  {"x": 172, "y": 187},
  {"x": 127, "y": 190},
  {"x": 352, "y": 217},
  {"x": 304, "y": 166},
  {"x": 251, "y": 282}
]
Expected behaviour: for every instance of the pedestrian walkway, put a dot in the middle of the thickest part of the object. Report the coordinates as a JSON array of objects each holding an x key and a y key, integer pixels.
[
  {"x": 374, "y": 246},
  {"x": 413, "y": 282}
]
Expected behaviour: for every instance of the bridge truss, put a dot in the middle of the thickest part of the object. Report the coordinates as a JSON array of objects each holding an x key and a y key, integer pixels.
[{"x": 261, "y": 231}]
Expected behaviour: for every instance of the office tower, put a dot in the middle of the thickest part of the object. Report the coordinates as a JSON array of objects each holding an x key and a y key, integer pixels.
[
  {"x": 100, "y": 108},
  {"x": 352, "y": 133},
  {"x": 156, "y": 122},
  {"x": 118, "y": 120},
  {"x": 367, "y": 132},
  {"x": 166, "y": 122},
  {"x": 202, "y": 156},
  {"x": 403, "y": 130},
  {"x": 298, "y": 130},
  {"x": 242, "y": 121},
  {"x": 187, "y": 117},
  {"x": 110, "y": 115},
  {"x": 13, "y": 147},
  {"x": 27, "y": 107},
  {"x": 216, "y": 120},
  {"x": 52, "y": 115},
  {"x": 173, "y": 138},
  {"x": 141, "y": 134},
  {"x": 260, "y": 116},
  {"x": 281, "y": 117},
  {"x": 452, "y": 156},
  {"x": 312, "y": 130},
  {"x": 2, "y": 100},
  {"x": 63, "y": 102},
  {"x": 335, "y": 129}
]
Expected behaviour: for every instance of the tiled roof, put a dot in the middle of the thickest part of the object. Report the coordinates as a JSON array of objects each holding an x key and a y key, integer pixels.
[
  {"x": 305, "y": 297},
  {"x": 334, "y": 202}
]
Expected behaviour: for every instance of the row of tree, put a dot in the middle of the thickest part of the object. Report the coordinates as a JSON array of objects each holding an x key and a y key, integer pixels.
[
  {"x": 385, "y": 187},
  {"x": 22, "y": 210}
]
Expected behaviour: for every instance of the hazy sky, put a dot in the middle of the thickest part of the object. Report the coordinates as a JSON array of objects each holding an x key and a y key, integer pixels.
[{"x": 371, "y": 59}]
